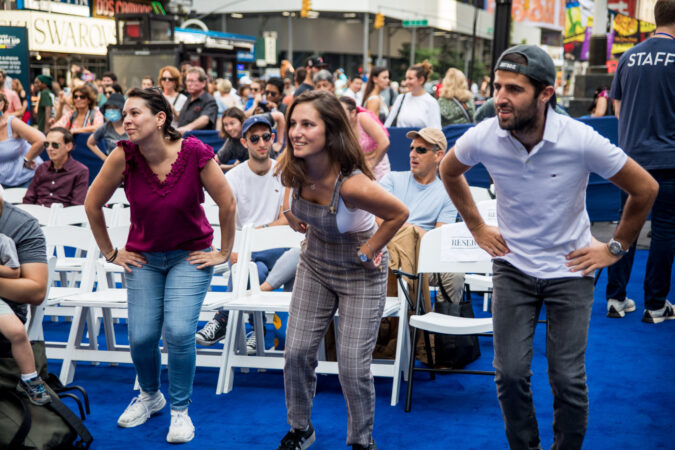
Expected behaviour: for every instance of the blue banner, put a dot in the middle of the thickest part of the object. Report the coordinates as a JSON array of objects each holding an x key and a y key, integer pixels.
[{"x": 14, "y": 57}]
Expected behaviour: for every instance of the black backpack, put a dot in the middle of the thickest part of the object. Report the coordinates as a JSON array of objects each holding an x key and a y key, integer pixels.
[{"x": 24, "y": 425}]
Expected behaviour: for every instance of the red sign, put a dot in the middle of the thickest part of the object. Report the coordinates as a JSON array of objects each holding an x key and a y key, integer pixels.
[{"x": 107, "y": 9}]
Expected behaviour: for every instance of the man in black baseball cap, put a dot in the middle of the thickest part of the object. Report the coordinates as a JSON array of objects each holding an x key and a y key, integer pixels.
[
  {"x": 543, "y": 250},
  {"x": 313, "y": 65}
]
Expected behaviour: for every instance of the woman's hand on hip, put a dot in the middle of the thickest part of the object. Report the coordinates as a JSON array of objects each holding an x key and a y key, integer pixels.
[
  {"x": 126, "y": 259},
  {"x": 206, "y": 259}
]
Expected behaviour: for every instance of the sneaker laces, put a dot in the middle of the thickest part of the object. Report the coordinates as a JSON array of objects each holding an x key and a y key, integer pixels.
[
  {"x": 35, "y": 386},
  {"x": 180, "y": 419},
  {"x": 210, "y": 329},
  {"x": 251, "y": 341}
]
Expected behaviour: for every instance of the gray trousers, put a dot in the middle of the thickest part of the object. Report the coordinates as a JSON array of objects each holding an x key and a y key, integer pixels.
[
  {"x": 517, "y": 301},
  {"x": 313, "y": 306},
  {"x": 453, "y": 283}
]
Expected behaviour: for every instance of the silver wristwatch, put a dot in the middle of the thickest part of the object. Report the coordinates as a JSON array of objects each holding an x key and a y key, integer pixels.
[{"x": 615, "y": 248}]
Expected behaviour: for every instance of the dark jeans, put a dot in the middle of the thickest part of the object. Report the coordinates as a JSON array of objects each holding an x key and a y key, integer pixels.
[
  {"x": 517, "y": 301},
  {"x": 661, "y": 250},
  {"x": 264, "y": 260}
]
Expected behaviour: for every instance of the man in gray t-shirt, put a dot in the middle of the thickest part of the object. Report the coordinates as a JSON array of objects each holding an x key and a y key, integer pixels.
[{"x": 31, "y": 286}]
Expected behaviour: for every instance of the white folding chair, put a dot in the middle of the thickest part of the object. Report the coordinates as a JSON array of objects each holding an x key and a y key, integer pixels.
[
  {"x": 259, "y": 303},
  {"x": 449, "y": 248},
  {"x": 483, "y": 282},
  {"x": 14, "y": 195},
  {"x": 41, "y": 213}
]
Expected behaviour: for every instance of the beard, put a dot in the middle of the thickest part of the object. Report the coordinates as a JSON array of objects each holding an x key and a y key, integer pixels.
[
  {"x": 261, "y": 158},
  {"x": 521, "y": 119}
]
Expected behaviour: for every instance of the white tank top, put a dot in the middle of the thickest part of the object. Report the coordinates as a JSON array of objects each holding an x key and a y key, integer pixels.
[{"x": 353, "y": 220}]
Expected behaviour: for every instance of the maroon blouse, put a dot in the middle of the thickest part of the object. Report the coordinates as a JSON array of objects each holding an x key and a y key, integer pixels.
[{"x": 167, "y": 215}]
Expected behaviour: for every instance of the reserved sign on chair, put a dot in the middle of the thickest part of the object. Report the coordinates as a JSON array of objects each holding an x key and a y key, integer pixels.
[{"x": 457, "y": 244}]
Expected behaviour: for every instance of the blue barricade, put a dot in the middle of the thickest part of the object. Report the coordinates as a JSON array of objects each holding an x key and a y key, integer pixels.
[{"x": 602, "y": 197}]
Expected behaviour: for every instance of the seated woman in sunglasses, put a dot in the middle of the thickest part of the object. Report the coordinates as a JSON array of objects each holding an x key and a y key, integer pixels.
[
  {"x": 86, "y": 117},
  {"x": 20, "y": 145},
  {"x": 61, "y": 179}
]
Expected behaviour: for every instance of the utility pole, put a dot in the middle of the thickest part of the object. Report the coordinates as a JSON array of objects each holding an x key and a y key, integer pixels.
[
  {"x": 501, "y": 38},
  {"x": 473, "y": 42},
  {"x": 413, "y": 30},
  {"x": 366, "y": 19},
  {"x": 290, "y": 39}
]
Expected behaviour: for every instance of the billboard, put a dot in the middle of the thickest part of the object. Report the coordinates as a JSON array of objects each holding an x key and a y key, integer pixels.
[{"x": 14, "y": 60}]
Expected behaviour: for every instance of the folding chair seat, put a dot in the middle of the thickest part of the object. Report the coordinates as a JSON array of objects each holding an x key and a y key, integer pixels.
[
  {"x": 118, "y": 197},
  {"x": 449, "y": 248}
]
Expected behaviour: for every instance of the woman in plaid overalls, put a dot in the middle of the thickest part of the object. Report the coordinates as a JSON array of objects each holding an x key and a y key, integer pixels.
[{"x": 343, "y": 262}]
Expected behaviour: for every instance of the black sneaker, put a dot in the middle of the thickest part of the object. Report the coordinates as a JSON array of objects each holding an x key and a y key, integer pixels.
[
  {"x": 371, "y": 446},
  {"x": 297, "y": 439},
  {"x": 212, "y": 332},
  {"x": 34, "y": 389},
  {"x": 659, "y": 315}
]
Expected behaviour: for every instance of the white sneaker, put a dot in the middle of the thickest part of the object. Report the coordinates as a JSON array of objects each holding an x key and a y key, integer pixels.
[
  {"x": 140, "y": 409},
  {"x": 618, "y": 309},
  {"x": 181, "y": 429}
]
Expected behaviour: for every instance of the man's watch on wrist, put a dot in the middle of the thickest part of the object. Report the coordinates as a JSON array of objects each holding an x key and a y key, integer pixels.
[
  {"x": 363, "y": 257},
  {"x": 615, "y": 248}
]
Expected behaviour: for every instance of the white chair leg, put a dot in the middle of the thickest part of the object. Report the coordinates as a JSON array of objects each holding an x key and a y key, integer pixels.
[
  {"x": 74, "y": 340},
  {"x": 226, "y": 373}
]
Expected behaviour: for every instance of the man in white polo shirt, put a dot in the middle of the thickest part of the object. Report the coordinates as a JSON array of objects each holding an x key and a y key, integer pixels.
[{"x": 544, "y": 253}]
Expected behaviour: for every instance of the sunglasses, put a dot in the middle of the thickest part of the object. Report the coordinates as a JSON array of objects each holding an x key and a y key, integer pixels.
[
  {"x": 255, "y": 138},
  {"x": 77, "y": 96},
  {"x": 419, "y": 150},
  {"x": 54, "y": 145},
  {"x": 167, "y": 79},
  {"x": 271, "y": 94},
  {"x": 255, "y": 89}
]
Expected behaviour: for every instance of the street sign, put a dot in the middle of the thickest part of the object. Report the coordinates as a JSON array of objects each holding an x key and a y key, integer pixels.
[{"x": 415, "y": 23}]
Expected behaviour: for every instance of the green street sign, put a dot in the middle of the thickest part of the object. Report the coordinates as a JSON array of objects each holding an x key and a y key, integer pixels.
[{"x": 415, "y": 23}]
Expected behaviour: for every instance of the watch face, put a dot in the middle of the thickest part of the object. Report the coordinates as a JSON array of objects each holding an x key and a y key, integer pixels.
[
  {"x": 363, "y": 257},
  {"x": 615, "y": 248}
]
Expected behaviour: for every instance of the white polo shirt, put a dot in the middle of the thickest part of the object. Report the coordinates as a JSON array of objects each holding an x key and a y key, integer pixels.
[{"x": 541, "y": 195}]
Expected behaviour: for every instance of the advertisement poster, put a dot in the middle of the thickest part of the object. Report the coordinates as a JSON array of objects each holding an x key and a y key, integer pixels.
[
  {"x": 14, "y": 58},
  {"x": 627, "y": 32},
  {"x": 578, "y": 28}
]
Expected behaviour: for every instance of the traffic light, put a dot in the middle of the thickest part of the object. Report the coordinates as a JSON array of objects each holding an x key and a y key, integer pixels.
[
  {"x": 306, "y": 7},
  {"x": 379, "y": 21}
]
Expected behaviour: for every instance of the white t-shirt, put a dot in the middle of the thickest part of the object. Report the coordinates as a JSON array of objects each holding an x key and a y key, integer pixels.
[
  {"x": 258, "y": 197},
  {"x": 177, "y": 102},
  {"x": 541, "y": 195},
  {"x": 418, "y": 111},
  {"x": 357, "y": 96}
]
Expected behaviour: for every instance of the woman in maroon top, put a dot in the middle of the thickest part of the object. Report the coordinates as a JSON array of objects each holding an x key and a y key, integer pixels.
[{"x": 168, "y": 254}]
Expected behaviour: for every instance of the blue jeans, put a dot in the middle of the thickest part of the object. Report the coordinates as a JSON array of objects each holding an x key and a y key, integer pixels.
[
  {"x": 167, "y": 291},
  {"x": 661, "y": 249},
  {"x": 517, "y": 301}
]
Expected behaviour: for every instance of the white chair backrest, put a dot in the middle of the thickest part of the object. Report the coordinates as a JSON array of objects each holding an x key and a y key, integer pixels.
[
  {"x": 71, "y": 215},
  {"x": 275, "y": 237},
  {"x": 240, "y": 272},
  {"x": 238, "y": 239},
  {"x": 118, "y": 197},
  {"x": 451, "y": 248},
  {"x": 479, "y": 194},
  {"x": 41, "y": 213},
  {"x": 118, "y": 235},
  {"x": 118, "y": 215},
  {"x": 14, "y": 195},
  {"x": 488, "y": 211},
  {"x": 79, "y": 238}
]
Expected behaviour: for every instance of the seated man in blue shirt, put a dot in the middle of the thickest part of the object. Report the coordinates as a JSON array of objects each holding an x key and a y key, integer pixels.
[{"x": 423, "y": 193}]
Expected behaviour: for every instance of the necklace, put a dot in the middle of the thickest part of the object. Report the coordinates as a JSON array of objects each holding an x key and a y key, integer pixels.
[{"x": 665, "y": 34}]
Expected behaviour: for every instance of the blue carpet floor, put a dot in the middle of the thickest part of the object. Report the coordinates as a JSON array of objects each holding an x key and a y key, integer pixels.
[{"x": 630, "y": 368}]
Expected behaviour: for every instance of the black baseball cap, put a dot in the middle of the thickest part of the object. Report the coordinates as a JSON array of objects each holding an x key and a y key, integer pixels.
[
  {"x": 539, "y": 66},
  {"x": 315, "y": 61}
]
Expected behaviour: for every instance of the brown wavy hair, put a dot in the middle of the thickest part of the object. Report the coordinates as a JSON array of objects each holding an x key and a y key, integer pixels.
[
  {"x": 342, "y": 146},
  {"x": 88, "y": 93}
]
